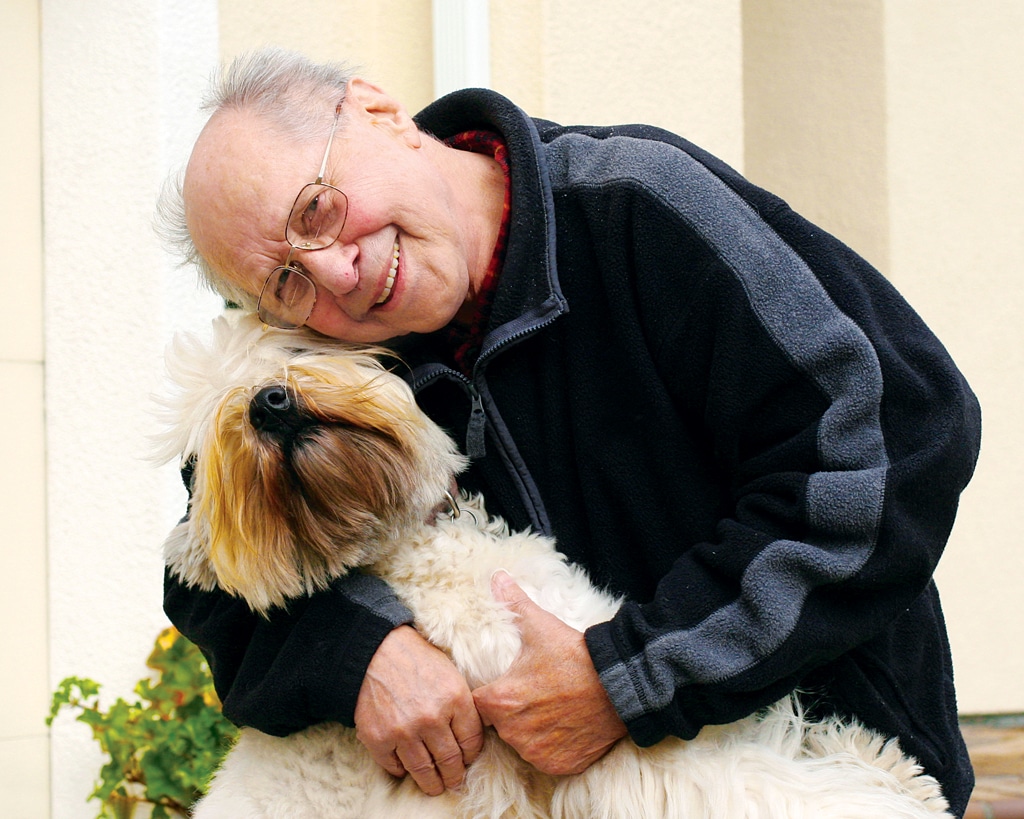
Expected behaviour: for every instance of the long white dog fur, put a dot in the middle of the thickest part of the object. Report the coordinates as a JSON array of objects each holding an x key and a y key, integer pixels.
[{"x": 350, "y": 416}]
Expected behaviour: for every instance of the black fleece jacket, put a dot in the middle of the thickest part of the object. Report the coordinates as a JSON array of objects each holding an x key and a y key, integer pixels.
[{"x": 720, "y": 411}]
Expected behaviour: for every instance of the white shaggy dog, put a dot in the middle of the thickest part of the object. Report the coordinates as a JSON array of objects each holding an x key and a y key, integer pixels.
[{"x": 311, "y": 460}]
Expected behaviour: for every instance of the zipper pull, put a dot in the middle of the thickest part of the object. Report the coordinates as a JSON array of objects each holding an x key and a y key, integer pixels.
[{"x": 476, "y": 446}]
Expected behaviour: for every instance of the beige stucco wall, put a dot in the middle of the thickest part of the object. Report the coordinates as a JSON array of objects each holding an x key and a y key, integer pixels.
[
  {"x": 956, "y": 202},
  {"x": 389, "y": 40},
  {"x": 24, "y": 748},
  {"x": 570, "y": 60},
  {"x": 668, "y": 63},
  {"x": 815, "y": 113}
]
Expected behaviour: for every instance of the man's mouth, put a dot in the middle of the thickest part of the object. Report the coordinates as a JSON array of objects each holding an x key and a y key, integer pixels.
[{"x": 390, "y": 282}]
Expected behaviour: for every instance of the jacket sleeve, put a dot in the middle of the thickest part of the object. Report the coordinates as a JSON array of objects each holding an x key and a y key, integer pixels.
[
  {"x": 296, "y": 667},
  {"x": 843, "y": 435}
]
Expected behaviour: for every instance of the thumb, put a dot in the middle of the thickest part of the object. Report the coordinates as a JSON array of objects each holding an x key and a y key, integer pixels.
[
  {"x": 531, "y": 617},
  {"x": 506, "y": 590}
]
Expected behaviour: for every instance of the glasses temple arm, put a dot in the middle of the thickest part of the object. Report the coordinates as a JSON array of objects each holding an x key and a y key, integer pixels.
[{"x": 330, "y": 141}]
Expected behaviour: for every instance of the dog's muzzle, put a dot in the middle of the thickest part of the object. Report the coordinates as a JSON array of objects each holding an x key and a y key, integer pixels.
[{"x": 275, "y": 411}]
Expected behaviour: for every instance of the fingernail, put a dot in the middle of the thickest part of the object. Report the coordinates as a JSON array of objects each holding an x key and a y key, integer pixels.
[{"x": 500, "y": 579}]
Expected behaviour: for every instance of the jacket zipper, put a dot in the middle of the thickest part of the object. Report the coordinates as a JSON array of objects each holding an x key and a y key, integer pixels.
[
  {"x": 476, "y": 428},
  {"x": 476, "y": 444}
]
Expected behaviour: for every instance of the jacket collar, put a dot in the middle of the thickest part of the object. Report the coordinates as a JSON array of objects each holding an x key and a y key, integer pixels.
[{"x": 528, "y": 294}]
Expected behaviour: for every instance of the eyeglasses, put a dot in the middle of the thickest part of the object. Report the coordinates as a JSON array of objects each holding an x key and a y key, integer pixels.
[{"x": 314, "y": 222}]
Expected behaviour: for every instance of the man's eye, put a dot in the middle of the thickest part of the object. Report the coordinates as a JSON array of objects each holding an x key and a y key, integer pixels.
[
  {"x": 317, "y": 221},
  {"x": 311, "y": 223},
  {"x": 290, "y": 286},
  {"x": 282, "y": 282}
]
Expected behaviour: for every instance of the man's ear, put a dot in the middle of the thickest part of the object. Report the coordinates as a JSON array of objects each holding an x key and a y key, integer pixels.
[{"x": 381, "y": 110}]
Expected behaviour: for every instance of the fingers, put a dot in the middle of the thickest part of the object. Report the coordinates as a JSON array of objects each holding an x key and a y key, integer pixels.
[
  {"x": 468, "y": 730},
  {"x": 388, "y": 760},
  {"x": 419, "y": 762},
  {"x": 436, "y": 762},
  {"x": 415, "y": 714},
  {"x": 448, "y": 763}
]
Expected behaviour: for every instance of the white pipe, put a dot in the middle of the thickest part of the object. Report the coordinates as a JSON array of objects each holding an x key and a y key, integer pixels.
[{"x": 462, "y": 45}]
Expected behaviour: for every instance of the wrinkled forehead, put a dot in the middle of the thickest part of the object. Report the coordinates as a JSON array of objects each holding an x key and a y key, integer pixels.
[
  {"x": 236, "y": 153},
  {"x": 240, "y": 181}
]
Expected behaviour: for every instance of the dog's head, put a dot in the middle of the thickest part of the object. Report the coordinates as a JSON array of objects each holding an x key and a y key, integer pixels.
[{"x": 308, "y": 458}]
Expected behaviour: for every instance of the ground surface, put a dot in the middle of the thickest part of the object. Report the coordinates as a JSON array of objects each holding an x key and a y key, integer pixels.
[{"x": 996, "y": 745}]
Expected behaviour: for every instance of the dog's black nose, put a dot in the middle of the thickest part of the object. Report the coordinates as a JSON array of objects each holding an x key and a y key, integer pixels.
[{"x": 275, "y": 411}]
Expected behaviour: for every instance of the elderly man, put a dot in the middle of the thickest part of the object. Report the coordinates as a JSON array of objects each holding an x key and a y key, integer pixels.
[{"x": 717, "y": 408}]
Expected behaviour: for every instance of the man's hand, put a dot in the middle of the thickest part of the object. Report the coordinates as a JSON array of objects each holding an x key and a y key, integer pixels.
[
  {"x": 550, "y": 705},
  {"x": 415, "y": 713}
]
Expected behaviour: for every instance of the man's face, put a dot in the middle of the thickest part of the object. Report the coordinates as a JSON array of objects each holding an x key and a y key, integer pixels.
[{"x": 243, "y": 178}]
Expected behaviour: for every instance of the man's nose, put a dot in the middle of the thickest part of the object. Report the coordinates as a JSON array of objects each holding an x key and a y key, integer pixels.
[{"x": 333, "y": 268}]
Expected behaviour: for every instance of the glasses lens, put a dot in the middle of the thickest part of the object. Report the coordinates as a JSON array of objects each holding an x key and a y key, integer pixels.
[
  {"x": 287, "y": 299},
  {"x": 317, "y": 217}
]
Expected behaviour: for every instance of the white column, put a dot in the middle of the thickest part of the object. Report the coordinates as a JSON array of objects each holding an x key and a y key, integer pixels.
[
  {"x": 121, "y": 83},
  {"x": 24, "y": 740},
  {"x": 462, "y": 45}
]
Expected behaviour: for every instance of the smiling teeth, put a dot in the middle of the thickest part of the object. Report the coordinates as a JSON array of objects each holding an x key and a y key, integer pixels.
[{"x": 391, "y": 276}]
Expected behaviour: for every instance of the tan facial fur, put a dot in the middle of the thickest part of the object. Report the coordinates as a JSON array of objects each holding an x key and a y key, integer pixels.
[{"x": 271, "y": 516}]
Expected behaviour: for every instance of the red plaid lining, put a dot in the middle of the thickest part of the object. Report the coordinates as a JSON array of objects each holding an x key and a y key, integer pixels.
[{"x": 464, "y": 340}]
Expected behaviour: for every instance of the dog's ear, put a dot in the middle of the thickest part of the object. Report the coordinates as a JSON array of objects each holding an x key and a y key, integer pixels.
[{"x": 187, "y": 559}]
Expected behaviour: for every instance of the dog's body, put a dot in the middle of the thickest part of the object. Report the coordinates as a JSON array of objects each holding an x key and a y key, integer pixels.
[{"x": 297, "y": 417}]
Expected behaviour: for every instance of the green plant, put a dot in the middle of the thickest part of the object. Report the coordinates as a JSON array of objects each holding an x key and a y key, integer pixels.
[{"x": 164, "y": 747}]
